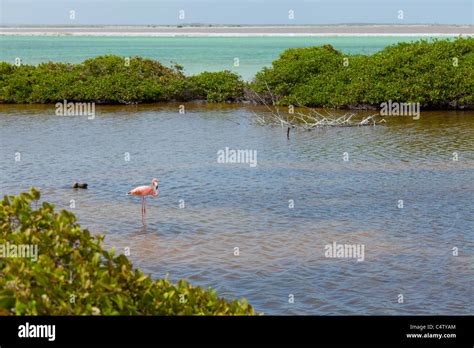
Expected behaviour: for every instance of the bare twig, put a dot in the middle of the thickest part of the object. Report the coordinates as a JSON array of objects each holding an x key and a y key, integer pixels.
[{"x": 307, "y": 120}]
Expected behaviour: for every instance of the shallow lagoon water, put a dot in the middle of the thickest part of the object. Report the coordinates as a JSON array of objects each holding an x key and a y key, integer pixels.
[
  {"x": 407, "y": 251},
  {"x": 195, "y": 54}
]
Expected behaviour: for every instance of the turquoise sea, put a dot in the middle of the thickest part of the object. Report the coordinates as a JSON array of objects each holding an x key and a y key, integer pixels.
[{"x": 196, "y": 54}]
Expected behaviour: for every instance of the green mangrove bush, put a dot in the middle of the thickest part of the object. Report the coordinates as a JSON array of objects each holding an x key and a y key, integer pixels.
[
  {"x": 217, "y": 86},
  {"x": 113, "y": 80},
  {"x": 72, "y": 274},
  {"x": 436, "y": 74}
]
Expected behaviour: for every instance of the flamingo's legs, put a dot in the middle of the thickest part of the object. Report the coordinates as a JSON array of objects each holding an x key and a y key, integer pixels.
[{"x": 143, "y": 210}]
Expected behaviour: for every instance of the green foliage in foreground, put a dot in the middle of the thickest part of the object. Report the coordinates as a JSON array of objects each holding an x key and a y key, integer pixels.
[
  {"x": 113, "y": 80},
  {"x": 437, "y": 74},
  {"x": 72, "y": 263}
]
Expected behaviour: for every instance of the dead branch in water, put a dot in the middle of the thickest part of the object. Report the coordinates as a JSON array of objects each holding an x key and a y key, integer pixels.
[{"x": 307, "y": 120}]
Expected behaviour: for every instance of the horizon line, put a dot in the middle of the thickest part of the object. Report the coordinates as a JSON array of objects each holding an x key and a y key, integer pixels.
[{"x": 18, "y": 25}]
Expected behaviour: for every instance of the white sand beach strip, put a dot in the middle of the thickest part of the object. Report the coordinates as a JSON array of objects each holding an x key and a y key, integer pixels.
[{"x": 229, "y": 31}]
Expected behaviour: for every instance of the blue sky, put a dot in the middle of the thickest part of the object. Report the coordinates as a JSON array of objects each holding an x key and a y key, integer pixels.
[{"x": 164, "y": 12}]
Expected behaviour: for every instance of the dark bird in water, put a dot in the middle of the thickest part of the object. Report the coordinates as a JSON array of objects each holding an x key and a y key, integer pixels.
[{"x": 79, "y": 186}]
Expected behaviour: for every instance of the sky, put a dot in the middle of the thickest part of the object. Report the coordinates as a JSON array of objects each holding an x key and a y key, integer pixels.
[{"x": 251, "y": 12}]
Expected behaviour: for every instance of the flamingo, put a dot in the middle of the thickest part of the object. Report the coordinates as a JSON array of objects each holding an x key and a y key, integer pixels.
[{"x": 144, "y": 191}]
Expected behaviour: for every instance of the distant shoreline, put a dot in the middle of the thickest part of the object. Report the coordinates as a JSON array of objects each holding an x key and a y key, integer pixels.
[{"x": 242, "y": 31}]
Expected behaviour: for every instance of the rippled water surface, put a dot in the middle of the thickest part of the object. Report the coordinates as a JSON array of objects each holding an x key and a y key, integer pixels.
[{"x": 408, "y": 251}]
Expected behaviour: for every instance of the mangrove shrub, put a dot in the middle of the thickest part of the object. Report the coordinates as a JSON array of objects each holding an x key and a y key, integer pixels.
[
  {"x": 436, "y": 74},
  {"x": 113, "y": 80}
]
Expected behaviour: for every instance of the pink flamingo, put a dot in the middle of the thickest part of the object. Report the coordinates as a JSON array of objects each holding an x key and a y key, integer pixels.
[{"x": 144, "y": 191}]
